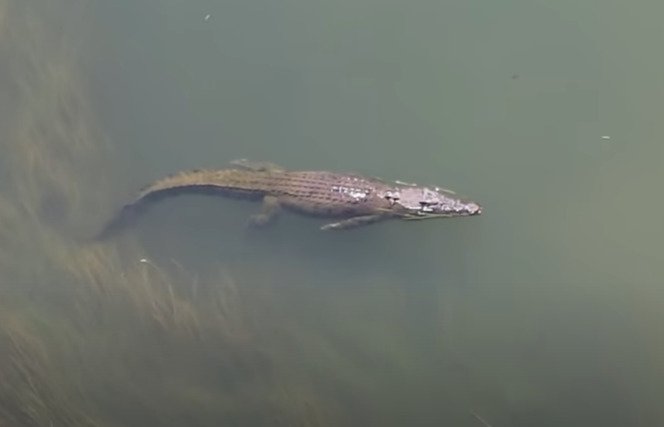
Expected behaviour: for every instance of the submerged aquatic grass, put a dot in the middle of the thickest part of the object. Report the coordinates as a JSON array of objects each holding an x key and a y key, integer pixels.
[{"x": 92, "y": 334}]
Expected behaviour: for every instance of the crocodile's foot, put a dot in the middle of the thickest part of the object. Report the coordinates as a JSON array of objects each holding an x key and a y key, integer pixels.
[
  {"x": 268, "y": 213},
  {"x": 354, "y": 222}
]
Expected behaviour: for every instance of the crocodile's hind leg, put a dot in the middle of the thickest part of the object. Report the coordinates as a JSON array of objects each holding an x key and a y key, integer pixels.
[
  {"x": 268, "y": 213},
  {"x": 354, "y": 222},
  {"x": 256, "y": 166}
]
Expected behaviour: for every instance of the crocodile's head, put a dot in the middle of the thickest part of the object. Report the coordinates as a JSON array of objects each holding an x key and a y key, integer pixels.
[{"x": 417, "y": 202}]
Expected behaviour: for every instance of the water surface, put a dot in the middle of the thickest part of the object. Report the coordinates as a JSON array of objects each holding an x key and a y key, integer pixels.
[{"x": 543, "y": 311}]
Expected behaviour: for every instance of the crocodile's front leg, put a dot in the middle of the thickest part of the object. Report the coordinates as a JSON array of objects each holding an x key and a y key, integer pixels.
[
  {"x": 268, "y": 213},
  {"x": 256, "y": 166},
  {"x": 353, "y": 222}
]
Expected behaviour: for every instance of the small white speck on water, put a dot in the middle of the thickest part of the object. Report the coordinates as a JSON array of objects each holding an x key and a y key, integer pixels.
[
  {"x": 143, "y": 260},
  {"x": 606, "y": 137},
  {"x": 207, "y": 17}
]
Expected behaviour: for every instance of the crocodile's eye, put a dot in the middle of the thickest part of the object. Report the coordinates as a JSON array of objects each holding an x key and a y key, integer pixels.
[
  {"x": 391, "y": 199},
  {"x": 427, "y": 206}
]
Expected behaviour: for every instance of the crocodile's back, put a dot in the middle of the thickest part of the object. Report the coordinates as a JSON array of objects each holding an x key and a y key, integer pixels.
[
  {"x": 317, "y": 193},
  {"x": 294, "y": 188},
  {"x": 328, "y": 193}
]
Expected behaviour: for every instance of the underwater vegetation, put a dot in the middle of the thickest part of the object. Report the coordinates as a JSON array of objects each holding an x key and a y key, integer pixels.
[{"x": 89, "y": 334}]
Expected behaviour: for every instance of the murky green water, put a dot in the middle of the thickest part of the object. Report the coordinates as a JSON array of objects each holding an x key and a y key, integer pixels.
[{"x": 544, "y": 311}]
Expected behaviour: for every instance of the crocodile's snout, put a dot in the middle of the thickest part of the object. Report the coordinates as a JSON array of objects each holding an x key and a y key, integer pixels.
[{"x": 474, "y": 209}]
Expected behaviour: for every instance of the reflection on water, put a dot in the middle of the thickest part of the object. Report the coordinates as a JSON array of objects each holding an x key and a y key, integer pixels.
[{"x": 544, "y": 311}]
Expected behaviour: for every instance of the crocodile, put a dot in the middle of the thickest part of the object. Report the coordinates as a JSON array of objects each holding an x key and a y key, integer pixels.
[{"x": 350, "y": 199}]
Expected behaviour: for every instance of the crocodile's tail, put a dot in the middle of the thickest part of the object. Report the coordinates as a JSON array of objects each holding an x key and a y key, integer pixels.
[{"x": 216, "y": 182}]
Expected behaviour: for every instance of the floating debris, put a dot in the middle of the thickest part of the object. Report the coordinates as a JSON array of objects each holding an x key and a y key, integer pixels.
[{"x": 480, "y": 419}]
